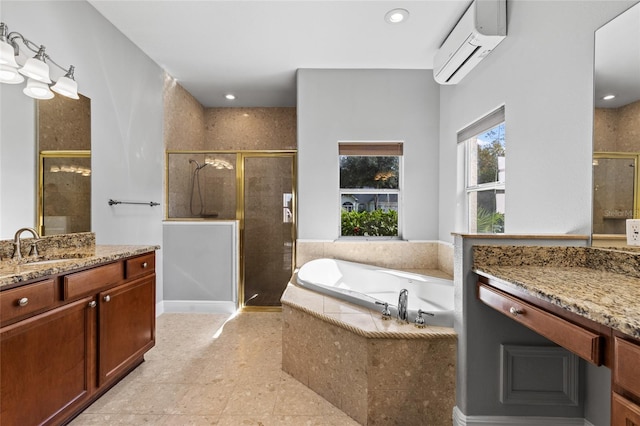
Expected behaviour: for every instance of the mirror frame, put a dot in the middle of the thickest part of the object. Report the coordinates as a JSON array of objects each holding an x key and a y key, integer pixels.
[{"x": 40, "y": 199}]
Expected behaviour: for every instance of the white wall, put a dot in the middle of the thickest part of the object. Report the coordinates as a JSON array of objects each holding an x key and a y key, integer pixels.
[
  {"x": 543, "y": 73},
  {"x": 18, "y": 158},
  {"x": 125, "y": 87},
  {"x": 366, "y": 105}
]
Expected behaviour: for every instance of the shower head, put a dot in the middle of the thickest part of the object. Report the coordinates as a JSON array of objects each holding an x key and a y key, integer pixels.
[{"x": 198, "y": 165}]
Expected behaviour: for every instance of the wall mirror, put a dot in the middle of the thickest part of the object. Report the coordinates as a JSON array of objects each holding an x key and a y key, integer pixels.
[
  {"x": 616, "y": 133},
  {"x": 64, "y": 165}
]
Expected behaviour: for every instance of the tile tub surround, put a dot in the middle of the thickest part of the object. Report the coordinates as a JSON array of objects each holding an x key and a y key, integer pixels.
[
  {"x": 13, "y": 273},
  {"x": 378, "y": 372},
  {"x": 600, "y": 285},
  {"x": 393, "y": 254}
]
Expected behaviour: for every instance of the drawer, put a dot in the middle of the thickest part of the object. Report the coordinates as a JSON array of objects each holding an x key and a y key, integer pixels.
[
  {"x": 623, "y": 411},
  {"x": 140, "y": 265},
  {"x": 574, "y": 338},
  {"x": 92, "y": 280},
  {"x": 24, "y": 300},
  {"x": 625, "y": 366}
]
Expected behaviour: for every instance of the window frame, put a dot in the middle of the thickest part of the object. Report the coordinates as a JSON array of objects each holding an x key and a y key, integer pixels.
[
  {"x": 468, "y": 138},
  {"x": 371, "y": 149}
]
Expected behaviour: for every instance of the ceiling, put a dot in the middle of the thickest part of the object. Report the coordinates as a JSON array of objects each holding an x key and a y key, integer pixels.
[{"x": 253, "y": 48}]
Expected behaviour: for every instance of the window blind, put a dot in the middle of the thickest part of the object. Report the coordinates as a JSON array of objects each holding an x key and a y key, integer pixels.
[
  {"x": 370, "y": 148},
  {"x": 485, "y": 123}
]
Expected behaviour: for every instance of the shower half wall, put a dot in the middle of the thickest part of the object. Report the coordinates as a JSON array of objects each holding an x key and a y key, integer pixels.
[
  {"x": 199, "y": 266},
  {"x": 253, "y": 189}
]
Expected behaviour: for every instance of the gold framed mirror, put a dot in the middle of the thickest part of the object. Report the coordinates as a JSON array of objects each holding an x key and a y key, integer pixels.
[
  {"x": 64, "y": 165},
  {"x": 64, "y": 193}
]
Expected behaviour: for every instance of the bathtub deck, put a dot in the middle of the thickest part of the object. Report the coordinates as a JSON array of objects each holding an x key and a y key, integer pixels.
[{"x": 378, "y": 372}]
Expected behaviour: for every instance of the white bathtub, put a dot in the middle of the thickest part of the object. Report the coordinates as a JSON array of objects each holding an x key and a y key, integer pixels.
[{"x": 365, "y": 284}]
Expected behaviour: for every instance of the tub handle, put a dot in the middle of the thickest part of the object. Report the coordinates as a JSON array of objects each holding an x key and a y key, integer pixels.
[
  {"x": 419, "y": 320},
  {"x": 386, "y": 313}
]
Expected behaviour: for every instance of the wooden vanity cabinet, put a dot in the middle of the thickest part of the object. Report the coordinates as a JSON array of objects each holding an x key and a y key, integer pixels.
[
  {"x": 42, "y": 379},
  {"x": 597, "y": 344},
  {"x": 584, "y": 343},
  {"x": 623, "y": 411},
  {"x": 87, "y": 331},
  {"x": 625, "y": 399},
  {"x": 127, "y": 331}
]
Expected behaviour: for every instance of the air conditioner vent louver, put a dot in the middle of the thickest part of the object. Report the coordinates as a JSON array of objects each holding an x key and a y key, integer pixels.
[{"x": 481, "y": 28}]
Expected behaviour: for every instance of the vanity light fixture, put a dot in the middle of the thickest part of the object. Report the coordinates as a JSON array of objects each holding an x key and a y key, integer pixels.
[
  {"x": 230, "y": 96},
  {"x": 36, "y": 69},
  {"x": 608, "y": 97},
  {"x": 395, "y": 16}
]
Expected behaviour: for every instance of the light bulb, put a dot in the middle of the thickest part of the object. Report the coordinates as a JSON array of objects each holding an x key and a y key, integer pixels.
[
  {"x": 10, "y": 75},
  {"x": 37, "y": 90}
]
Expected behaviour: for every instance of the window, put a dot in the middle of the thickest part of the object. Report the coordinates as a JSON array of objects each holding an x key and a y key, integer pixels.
[
  {"x": 485, "y": 153},
  {"x": 370, "y": 189}
]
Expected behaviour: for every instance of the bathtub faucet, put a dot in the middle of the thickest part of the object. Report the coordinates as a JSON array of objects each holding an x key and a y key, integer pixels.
[
  {"x": 419, "y": 322},
  {"x": 386, "y": 313},
  {"x": 403, "y": 315}
]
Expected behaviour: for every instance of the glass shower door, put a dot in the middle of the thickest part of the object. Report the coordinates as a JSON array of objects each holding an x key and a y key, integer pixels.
[
  {"x": 268, "y": 227},
  {"x": 614, "y": 192}
]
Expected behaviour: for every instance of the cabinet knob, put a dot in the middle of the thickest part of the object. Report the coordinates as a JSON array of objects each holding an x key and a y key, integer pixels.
[
  {"x": 144, "y": 265},
  {"x": 23, "y": 301},
  {"x": 515, "y": 311},
  {"x": 92, "y": 304},
  {"x": 107, "y": 298}
]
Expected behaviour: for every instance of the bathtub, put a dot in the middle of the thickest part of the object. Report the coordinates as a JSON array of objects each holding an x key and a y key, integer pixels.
[{"x": 365, "y": 285}]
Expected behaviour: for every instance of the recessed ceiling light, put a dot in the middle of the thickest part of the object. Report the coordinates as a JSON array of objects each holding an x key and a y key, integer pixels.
[
  {"x": 395, "y": 16},
  {"x": 230, "y": 96},
  {"x": 608, "y": 97}
]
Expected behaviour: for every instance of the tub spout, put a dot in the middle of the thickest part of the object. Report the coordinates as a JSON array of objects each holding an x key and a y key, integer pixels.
[{"x": 403, "y": 315}]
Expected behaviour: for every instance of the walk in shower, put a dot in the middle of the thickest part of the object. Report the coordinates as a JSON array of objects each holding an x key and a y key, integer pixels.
[
  {"x": 254, "y": 188},
  {"x": 615, "y": 191}
]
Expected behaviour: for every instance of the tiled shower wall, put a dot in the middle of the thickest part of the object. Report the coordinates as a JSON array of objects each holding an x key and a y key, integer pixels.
[
  {"x": 388, "y": 254},
  {"x": 189, "y": 126},
  {"x": 615, "y": 130}
]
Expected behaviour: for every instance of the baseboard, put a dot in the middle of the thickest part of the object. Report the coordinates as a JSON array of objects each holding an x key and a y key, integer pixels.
[
  {"x": 459, "y": 419},
  {"x": 197, "y": 306}
]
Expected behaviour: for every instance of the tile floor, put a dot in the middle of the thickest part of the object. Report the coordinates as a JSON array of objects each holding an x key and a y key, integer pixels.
[{"x": 192, "y": 377}]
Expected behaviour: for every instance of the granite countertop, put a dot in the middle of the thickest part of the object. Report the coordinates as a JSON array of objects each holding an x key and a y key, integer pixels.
[
  {"x": 13, "y": 273},
  {"x": 600, "y": 285}
]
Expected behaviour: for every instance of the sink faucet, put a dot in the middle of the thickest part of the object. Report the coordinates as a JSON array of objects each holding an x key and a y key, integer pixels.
[
  {"x": 403, "y": 315},
  {"x": 16, "y": 243}
]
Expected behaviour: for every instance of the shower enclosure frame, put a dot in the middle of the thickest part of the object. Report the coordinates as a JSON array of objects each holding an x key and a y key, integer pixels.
[
  {"x": 40, "y": 201},
  {"x": 619, "y": 155},
  {"x": 241, "y": 156}
]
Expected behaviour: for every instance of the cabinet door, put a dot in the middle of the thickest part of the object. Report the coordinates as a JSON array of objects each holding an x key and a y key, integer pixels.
[
  {"x": 47, "y": 364},
  {"x": 624, "y": 412},
  {"x": 127, "y": 326}
]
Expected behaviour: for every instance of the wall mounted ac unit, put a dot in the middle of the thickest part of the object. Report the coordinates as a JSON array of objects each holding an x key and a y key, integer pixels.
[{"x": 480, "y": 29}]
